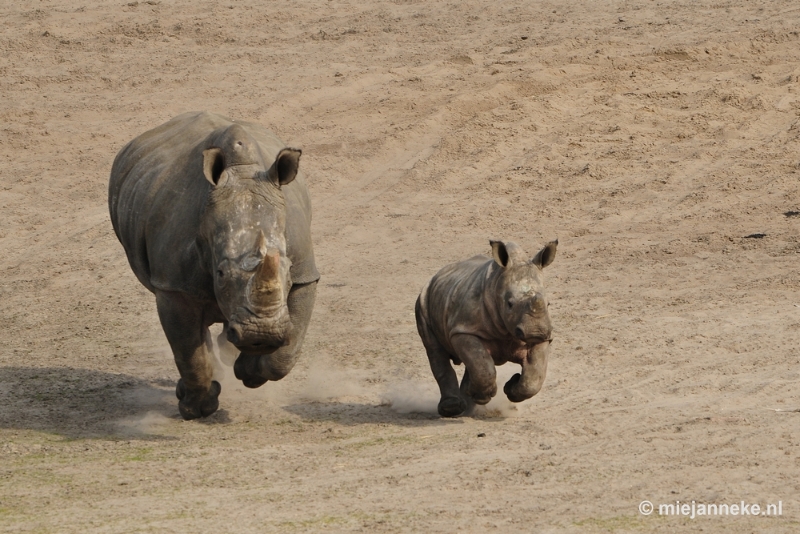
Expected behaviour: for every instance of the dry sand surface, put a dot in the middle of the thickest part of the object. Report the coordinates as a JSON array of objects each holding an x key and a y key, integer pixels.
[{"x": 659, "y": 141}]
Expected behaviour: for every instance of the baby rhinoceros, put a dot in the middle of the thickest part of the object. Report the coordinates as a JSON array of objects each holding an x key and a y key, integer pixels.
[{"x": 485, "y": 312}]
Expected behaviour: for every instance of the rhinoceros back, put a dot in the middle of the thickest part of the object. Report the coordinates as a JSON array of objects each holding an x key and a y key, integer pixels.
[
  {"x": 453, "y": 299},
  {"x": 158, "y": 193}
]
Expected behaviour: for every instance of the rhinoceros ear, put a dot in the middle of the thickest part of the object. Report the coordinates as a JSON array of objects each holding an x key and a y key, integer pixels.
[
  {"x": 499, "y": 253},
  {"x": 284, "y": 169},
  {"x": 546, "y": 256},
  {"x": 213, "y": 165}
]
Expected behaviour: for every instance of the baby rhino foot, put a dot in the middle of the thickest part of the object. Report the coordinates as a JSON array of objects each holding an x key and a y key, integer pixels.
[
  {"x": 452, "y": 406},
  {"x": 484, "y": 396},
  {"x": 515, "y": 391},
  {"x": 193, "y": 405}
]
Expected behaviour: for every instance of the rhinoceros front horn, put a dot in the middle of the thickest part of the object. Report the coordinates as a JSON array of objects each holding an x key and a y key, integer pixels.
[
  {"x": 266, "y": 282},
  {"x": 269, "y": 269}
]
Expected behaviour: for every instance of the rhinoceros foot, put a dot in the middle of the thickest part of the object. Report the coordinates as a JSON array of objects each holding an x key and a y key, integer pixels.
[
  {"x": 452, "y": 406},
  {"x": 193, "y": 405},
  {"x": 246, "y": 369},
  {"x": 514, "y": 390}
]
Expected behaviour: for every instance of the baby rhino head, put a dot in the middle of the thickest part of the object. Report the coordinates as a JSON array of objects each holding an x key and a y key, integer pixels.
[{"x": 520, "y": 296}]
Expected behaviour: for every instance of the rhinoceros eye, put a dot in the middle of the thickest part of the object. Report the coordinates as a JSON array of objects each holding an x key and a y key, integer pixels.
[
  {"x": 510, "y": 303},
  {"x": 250, "y": 263}
]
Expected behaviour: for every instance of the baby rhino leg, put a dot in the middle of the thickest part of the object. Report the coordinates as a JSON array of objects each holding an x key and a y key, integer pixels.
[
  {"x": 534, "y": 368},
  {"x": 451, "y": 403},
  {"x": 480, "y": 378}
]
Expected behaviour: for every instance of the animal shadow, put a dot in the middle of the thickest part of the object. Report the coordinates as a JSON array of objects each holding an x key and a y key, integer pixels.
[{"x": 83, "y": 403}]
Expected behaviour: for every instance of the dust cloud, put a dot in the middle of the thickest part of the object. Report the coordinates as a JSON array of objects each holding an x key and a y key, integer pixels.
[
  {"x": 143, "y": 425},
  {"x": 324, "y": 381},
  {"x": 412, "y": 396}
]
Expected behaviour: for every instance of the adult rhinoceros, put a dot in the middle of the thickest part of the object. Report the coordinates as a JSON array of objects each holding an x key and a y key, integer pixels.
[{"x": 215, "y": 221}]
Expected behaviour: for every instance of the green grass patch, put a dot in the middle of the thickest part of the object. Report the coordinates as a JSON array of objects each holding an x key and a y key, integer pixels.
[{"x": 140, "y": 455}]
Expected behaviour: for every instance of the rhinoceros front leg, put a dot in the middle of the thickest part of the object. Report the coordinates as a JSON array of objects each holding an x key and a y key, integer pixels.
[
  {"x": 534, "y": 368},
  {"x": 256, "y": 369},
  {"x": 187, "y": 335},
  {"x": 480, "y": 378}
]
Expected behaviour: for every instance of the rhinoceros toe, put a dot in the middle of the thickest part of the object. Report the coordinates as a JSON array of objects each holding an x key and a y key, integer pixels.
[
  {"x": 196, "y": 405},
  {"x": 452, "y": 406},
  {"x": 514, "y": 391},
  {"x": 180, "y": 389},
  {"x": 246, "y": 370}
]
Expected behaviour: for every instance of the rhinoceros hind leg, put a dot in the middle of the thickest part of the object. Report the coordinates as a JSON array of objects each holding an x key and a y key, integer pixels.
[
  {"x": 451, "y": 403},
  {"x": 195, "y": 406}
]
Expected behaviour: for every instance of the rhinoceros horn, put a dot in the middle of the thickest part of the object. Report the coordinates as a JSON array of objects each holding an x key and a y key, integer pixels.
[{"x": 266, "y": 279}]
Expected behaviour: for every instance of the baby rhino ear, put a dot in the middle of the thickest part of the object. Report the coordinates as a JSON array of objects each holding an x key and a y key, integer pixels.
[
  {"x": 499, "y": 253},
  {"x": 546, "y": 256}
]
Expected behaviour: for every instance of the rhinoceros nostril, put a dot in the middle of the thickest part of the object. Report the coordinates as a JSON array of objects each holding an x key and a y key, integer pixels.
[
  {"x": 234, "y": 334},
  {"x": 519, "y": 334}
]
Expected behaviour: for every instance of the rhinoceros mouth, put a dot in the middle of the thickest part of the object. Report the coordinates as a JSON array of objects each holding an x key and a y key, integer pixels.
[
  {"x": 257, "y": 342},
  {"x": 260, "y": 335}
]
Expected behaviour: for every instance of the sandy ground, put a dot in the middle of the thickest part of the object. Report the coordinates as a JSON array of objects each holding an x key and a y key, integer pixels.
[{"x": 657, "y": 140}]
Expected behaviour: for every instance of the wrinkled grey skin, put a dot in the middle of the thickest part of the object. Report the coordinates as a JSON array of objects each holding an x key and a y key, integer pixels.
[
  {"x": 485, "y": 312},
  {"x": 215, "y": 221}
]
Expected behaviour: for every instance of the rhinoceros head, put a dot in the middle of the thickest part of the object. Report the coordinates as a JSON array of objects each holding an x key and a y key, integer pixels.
[
  {"x": 520, "y": 297},
  {"x": 244, "y": 231}
]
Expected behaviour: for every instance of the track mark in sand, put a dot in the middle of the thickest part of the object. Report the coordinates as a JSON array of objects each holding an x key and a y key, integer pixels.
[
  {"x": 380, "y": 179},
  {"x": 55, "y": 234}
]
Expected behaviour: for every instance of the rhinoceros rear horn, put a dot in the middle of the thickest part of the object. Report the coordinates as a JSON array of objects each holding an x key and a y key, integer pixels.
[
  {"x": 213, "y": 165},
  {"x": 284, "y": 169},
  {"x": 546, "y": 256}
]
